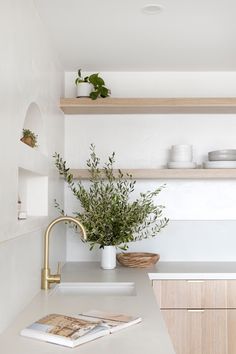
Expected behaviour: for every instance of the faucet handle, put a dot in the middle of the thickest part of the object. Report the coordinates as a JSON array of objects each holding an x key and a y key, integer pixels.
[{"x": 59, "y": 268}]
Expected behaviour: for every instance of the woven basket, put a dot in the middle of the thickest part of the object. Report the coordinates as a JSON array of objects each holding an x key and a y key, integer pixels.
[{"x": 137, "y": 260}]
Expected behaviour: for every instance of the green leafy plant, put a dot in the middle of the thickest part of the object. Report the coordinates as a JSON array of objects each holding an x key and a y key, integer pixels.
[
  {"x": 108, "y": 214},
  {"x": 29, "y": 138},
  {"x": 99, "y": 88}
]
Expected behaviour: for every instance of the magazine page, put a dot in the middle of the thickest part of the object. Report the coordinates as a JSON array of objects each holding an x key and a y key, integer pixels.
[
  {"x": 114, "y": 321},
  {"x": 65, "y": 330}
]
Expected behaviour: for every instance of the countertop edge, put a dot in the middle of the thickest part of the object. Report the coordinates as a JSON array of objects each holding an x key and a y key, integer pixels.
[{"x": 197, "y": 276}]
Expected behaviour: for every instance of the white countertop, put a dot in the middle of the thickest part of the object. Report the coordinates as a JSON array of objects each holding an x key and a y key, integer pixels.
[
  {"x": 193, "y": 270},
  {"x": 150, "y": 336}
]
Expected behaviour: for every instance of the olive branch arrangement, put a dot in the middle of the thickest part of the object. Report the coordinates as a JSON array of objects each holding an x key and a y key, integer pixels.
[{"x": 106, "y": 211}]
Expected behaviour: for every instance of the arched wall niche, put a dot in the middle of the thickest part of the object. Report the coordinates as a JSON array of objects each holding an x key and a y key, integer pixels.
[{"x": 34, "y": 122}]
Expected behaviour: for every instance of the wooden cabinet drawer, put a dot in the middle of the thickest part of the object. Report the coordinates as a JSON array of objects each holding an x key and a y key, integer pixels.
[
  {"x": 200, "y": 314},
  {"x": 231, "y": 294},
  {"x": 200, "y": 331},
  {"x": 194, "y": 294}
]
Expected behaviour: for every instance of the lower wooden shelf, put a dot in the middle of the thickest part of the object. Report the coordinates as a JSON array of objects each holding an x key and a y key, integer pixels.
[{"x": 198, "y": 173}]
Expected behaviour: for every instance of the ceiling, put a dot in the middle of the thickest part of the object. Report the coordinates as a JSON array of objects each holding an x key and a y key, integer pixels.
[{"x": 109, "y": 35}]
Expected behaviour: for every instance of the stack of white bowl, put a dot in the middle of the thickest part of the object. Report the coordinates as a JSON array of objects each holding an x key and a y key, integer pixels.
[
  {"x": 181, "y": 156},
  {"x": 221, "y": 159}
]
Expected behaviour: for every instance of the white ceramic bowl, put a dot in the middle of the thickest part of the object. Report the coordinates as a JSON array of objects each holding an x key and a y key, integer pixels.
[
  {"x": 222, "y": 157},
  {"x": 181, "y": 147},
  {"x": 181, "y": 153},
  {"x": 181, "y": 157},
  {"x": 225, "y": 151}
]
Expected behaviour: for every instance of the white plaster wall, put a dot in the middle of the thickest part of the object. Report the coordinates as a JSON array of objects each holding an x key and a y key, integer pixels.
[
  {"x": 30, "y": 72},
  {"x": 182, "y": 240},
  {"x": 196, "y": 207},
  {"x": 163, "y": 84}
]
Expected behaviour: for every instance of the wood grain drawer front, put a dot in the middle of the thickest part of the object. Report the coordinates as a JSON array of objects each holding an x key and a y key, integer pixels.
[
  {"x": 192, "y": 294},
  {"x": 199, "y": 331},
  {"x": 231, "y": 295}
]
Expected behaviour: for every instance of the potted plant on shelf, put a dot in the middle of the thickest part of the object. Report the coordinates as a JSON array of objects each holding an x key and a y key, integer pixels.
[
  {"x": 29, "y": 138},
  {"x": 92, "y": 86},
  {"x": 111, "y": 219}
]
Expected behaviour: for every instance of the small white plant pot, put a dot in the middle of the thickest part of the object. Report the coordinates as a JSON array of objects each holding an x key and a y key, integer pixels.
[
  {"x": 84, "y": 89},
  {"x": 108, "y": 257}
]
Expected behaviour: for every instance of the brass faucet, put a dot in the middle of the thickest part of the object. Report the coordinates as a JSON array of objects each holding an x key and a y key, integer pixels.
[{"x": 46, "y": 277}]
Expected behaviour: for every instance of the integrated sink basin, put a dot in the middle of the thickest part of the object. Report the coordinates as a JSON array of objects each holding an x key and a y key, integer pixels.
[{"x": 112, "y": 289}]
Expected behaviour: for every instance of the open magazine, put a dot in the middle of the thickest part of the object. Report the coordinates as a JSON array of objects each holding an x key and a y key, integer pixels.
[{"x": 72, "y": 331}]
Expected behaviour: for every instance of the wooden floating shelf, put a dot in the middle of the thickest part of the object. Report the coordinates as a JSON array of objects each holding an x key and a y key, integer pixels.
[
  {"x": 111, "y": 105},
  {"x": 198, "y": 173}
]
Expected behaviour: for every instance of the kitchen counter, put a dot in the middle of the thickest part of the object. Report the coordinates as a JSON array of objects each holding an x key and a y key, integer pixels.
[
  {"x": 149, "y": 336},
  {"x": 194, "y": 270}
]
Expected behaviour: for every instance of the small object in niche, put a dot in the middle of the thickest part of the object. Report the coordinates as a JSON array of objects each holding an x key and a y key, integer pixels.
[
  {"x": 19, "y": 204},
  {"x": 22, "y": 215},
  {"x": 138, "y": 259},
  {"x": 29, "y": 138}
]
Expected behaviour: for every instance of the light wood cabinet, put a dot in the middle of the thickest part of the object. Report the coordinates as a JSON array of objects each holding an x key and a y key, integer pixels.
[
  {"x": 197, "y": 331},
  {"x": 231, "y": 294},
  {"x": 200, "y": 315},
  {"x": 187, "y": 294},
  {"x": 231, "y": 332}
]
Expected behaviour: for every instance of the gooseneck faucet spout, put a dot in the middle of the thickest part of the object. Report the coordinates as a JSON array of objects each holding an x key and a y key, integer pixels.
[{"x": 47, "y": 278}]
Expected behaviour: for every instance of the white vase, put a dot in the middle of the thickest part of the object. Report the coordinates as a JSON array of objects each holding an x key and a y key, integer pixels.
[
  {"x": 84, "y": 89},
  {"x": 108, "y": 257}
]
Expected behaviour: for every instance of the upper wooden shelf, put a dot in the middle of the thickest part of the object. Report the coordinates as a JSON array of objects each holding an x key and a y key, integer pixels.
[
  {"x": 200, "y": 173},
  {"x": 147, "y": 105}
]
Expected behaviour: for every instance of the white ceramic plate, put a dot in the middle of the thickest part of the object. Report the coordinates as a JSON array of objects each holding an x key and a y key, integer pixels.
[
  {"x": 181, "y": 164},
  {"x": 219, "y": 164},
  {"x": 226, "y": 151}
]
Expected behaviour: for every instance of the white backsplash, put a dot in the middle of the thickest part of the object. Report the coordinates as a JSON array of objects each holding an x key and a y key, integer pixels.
[
  {"x": 195, "y": 207},
  {"x": 199, "y": 241}
]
